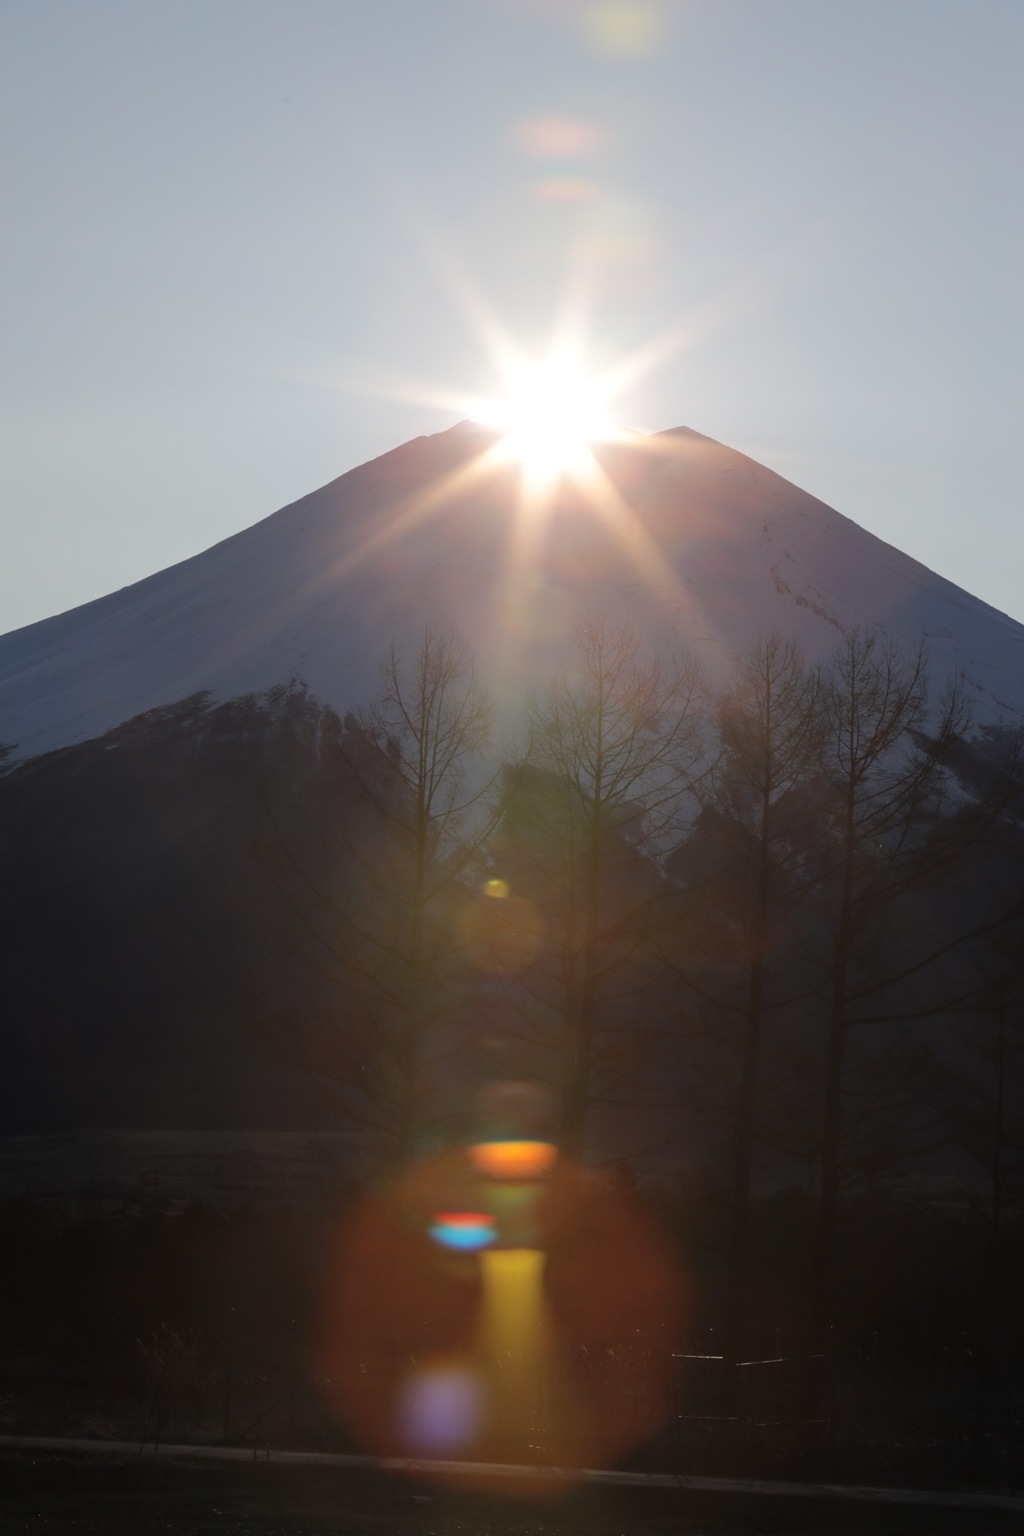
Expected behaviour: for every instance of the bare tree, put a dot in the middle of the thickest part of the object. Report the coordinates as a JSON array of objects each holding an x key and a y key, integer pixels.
[
  {"x": 433, "y": 722},
  {"x": 984, "y": 1101},
  {"x": 410, "y": 820},
  {"x": 616, "y": 744},
  {"x": 885, "y": 781},
  {"x": 753, "y": 825}
]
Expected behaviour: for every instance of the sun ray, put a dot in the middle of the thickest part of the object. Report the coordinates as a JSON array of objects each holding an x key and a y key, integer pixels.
[
  {"x": 418, "y": 508},
  {"x": 554, "y": 415},
  {"x": 618, "y": 516},
  {"x": 634, "y": 366},
  {"x": 550, "y": 422},
  {"x": 522, "y": 564},
  {"x": 550, "y": 413},
  {"x": 482, "y": 320},
  {"x": 407, "y": 389}
]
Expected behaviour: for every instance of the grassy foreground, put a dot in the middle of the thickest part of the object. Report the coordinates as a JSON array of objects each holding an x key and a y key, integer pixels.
[{"x": 85, "y": 1495}]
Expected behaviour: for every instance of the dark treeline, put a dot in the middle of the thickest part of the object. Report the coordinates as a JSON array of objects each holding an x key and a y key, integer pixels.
[
  {"x": 765, "y": 941},
  {"x": 762, "y": 946}
]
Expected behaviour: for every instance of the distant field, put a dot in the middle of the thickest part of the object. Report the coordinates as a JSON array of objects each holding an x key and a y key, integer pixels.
[
  {"x": 221, "y": 1168},
  {"x": 89, "y": 1495}
]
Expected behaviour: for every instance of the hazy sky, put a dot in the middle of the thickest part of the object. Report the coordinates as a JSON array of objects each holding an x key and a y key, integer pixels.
[{"x": 240, "y": 235}]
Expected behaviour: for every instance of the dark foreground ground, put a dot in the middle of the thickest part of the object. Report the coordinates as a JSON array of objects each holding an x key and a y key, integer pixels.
[{"x": 43, "y": 1492}]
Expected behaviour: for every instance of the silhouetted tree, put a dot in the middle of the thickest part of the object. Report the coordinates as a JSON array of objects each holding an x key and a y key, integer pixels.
[
  {"x": 985, "y": 1099},
  {"x": 884, "y": 834},
  {"x": 379, "y": 909},
  {"x": 616, "y": 744},
  {"x": 433, "y": 722},
  {"x": 754, "y": 809}
]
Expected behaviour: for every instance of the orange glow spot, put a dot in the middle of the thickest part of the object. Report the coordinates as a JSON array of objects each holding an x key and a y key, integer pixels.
[
  {"x": 513, "y": 1159},
  {"x": 498, "y": 889}
]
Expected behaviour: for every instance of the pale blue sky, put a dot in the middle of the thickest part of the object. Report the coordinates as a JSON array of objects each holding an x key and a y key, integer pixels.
[{"x": 231, "y": 226}]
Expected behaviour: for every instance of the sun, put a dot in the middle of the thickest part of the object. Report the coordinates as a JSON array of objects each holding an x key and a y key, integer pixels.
[
  {"x": 553, "y": 420},
  {"x": 551, "y": 414}
]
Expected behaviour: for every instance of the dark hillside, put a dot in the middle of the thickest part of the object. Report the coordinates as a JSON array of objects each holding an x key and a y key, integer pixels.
[{"x": 142, "y": 931}]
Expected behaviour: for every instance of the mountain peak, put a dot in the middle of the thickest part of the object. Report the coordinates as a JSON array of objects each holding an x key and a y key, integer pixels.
[{"x": 689, "y": 540}]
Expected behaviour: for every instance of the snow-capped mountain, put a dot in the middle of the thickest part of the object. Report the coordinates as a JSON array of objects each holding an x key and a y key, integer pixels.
[
  {"x": 689, "y": 539},
  {"x": 174, "y": 873}
]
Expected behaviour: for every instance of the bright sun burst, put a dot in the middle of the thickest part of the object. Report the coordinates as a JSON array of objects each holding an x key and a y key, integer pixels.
[
  {"x": 552, "y": 418},
  {"x": 551, "y": 413}
]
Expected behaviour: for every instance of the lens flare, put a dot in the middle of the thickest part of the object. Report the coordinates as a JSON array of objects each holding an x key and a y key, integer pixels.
[
  {"x": 558, "y": 138},
  {"x": 467, "y": 1231},
  {"x": 550, "y": 1349},
  {"x": 440, "y": 1409},
  {"x": 502, "y": 933},
  {"x": 517, "y": 1359},
  {"x": 513, "y": 1160},
  {"x": 624, "y": 28}
]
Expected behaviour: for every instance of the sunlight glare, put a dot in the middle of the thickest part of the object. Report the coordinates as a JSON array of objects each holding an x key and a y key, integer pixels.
[{"x": 551, "y": 414}]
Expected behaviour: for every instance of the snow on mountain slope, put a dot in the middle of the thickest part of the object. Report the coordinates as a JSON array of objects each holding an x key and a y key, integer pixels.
[{"x": 695, "y": 543}]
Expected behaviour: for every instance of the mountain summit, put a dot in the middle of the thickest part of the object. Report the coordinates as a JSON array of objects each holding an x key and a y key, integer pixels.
[
  {"x": 207, "y": 853},
  {"x": 689, "y": 539}
]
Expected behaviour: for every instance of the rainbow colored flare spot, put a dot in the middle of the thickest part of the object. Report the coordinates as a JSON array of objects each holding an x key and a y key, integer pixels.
[{"x": 467, "y": 1231}]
